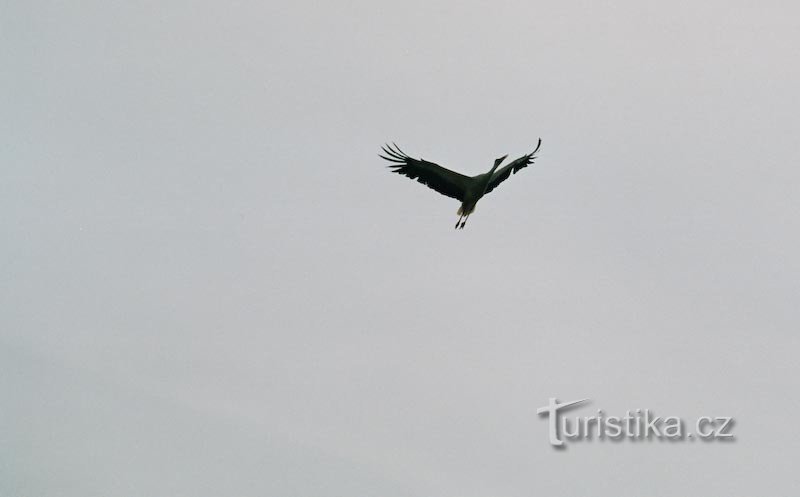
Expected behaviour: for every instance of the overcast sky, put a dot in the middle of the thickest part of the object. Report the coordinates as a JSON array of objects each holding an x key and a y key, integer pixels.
[{"x": 211, "y": 285}]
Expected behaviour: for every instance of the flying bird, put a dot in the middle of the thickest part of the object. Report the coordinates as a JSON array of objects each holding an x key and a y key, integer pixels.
[{"x": 467, "y": 189}]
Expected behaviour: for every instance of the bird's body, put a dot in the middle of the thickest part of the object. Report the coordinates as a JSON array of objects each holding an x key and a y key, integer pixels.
[
  {"x": 476, "y": 188},
  {"x": 468, "y": 189}
]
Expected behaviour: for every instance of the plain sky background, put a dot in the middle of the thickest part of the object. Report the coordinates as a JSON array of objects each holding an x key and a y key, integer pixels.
[{"x": 210, "y": 284}]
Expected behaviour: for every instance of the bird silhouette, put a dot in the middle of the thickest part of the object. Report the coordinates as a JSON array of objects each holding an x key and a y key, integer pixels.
[{"x": 467, "y": 189}]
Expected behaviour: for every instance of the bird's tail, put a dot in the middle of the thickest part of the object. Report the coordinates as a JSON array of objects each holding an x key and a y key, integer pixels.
[{"x": 466, "y": 210}]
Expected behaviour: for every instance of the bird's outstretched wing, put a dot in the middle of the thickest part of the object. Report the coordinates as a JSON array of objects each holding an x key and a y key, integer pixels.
[
  {"x": 432, "y": 175},
  {"x": 504, "y": 172}
]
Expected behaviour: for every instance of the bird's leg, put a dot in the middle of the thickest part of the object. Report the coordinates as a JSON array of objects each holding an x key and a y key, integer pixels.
[
  {"x": 464, "y": 222},
  {"x": 459, "y": 221}
]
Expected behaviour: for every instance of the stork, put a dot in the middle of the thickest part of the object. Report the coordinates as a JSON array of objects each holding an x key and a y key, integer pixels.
[{"x": 467, "y": 189}]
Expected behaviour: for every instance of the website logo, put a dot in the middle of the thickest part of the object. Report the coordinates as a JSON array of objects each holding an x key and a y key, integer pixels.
[{"x": 636, "y": 424}]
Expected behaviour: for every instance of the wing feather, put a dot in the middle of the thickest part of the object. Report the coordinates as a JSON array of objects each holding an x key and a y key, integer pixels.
[
  {"x": 432, "y": 175},
  {"x": 504, "y": 172}
]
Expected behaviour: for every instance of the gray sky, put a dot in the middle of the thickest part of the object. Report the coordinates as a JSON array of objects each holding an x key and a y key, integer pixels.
[{"x": 211, "y": 285}]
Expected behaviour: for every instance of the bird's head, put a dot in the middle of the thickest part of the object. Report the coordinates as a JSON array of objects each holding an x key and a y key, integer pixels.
[{"x": 497, "y": 163}]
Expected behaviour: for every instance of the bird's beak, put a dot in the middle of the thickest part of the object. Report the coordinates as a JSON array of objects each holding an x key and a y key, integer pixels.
[{"x": 501, "y": 159}]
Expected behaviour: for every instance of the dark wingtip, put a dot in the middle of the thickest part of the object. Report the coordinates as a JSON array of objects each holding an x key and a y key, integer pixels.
[
  {"x": 388, "y": 150},
  {"x": 396, "y": 162},
  {"x": 399, "y": 149},
  {"x": 537, "y": 146}
]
